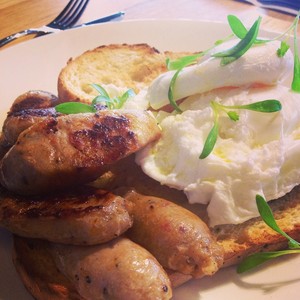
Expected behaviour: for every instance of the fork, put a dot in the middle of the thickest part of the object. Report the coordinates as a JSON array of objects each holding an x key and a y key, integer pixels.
[{"x": 66, "y": 19}]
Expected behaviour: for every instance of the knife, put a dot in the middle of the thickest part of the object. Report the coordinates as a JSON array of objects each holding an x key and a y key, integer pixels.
[
  {"x": 47, "y": 30},
  {"x": 101, "y": 20}
]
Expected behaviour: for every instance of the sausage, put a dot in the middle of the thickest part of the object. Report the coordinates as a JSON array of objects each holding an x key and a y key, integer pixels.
[
  {"x": 27, "y": 109},
  {"x": 68, "y": 150},
  {"x": 84, "y": 216},
  {"x": 178, "y": 238},
  {"x": 119, "y": 269}
]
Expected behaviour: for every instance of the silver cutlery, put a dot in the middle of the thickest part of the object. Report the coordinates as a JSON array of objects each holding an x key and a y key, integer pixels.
[{"x": 65, "y": 20}]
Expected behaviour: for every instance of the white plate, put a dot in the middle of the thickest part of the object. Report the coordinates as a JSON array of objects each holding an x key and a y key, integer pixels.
[{"x": 36, "y": 64}]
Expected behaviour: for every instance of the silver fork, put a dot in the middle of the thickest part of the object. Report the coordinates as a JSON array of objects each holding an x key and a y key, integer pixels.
[{"x": 66, "y": 19}]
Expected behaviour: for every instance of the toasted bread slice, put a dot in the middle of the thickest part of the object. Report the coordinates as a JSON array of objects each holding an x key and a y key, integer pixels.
[
  {"x": 254, "y": 235},
  {"x": 125, "y": 66}
]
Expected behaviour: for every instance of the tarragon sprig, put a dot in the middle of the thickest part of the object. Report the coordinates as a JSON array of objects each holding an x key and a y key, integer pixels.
[
  {"x": 102, "y": 99},
  {"x": 266, "y": 106},
  {"x": 257, "y": 259}
]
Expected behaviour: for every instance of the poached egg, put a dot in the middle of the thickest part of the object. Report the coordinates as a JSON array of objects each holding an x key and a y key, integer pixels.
[{"x": 256, "y": 155}]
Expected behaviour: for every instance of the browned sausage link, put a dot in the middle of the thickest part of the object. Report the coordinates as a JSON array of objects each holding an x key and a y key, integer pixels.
[
  {"x": 27, "y": 109},
  {"x": 120, "y": 269},
  {"x": 84, "y": 216},
  {"x": 73, "y": 149},
  {"x": 35, "y": 99},
  {"x": 179, "y": 239},
  {"x": 4, "y": 146}
]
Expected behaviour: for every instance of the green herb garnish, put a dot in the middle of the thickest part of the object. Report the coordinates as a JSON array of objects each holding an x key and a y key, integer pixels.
[
  {"x": 282, "y": 50},
  {"x": 266, "y": 106},
  {"x": 214, "y": 132},
  {"x": 239, "y": 29},
  {"x": 248, "y": 38},
  {"x": 171, "y": 91},
  {"x": 111, "y": 103},
  {"x": 74, "y": 108},
  {"x": 237, "y": 26},
  {"x": 296, "y": 77},
  {"x": 182, "y": 62},
  {"x": 257, "y": 259},
  {"x": 102, "y": 99},
  {"x": 241, "y": 47},
  {"x": 267, "y": 215}
]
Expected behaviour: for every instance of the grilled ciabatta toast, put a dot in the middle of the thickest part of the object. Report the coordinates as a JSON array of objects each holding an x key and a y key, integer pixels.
[
  {"x": 125, "y": 66},
  {"x": 131, "y": 66}
]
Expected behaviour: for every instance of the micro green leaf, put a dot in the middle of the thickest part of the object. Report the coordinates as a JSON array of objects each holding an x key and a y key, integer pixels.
[
  {"x": 266, "y": 106},
  {"x": 237, "y": 26},
  {"x": 171, "y": 91},
  {"x": 210, "y": 141},
  {"x": 257, "y": 259},
  {"x": 284, "y": 47},
  {"x": 74, "y": 108},
  {"x": 122, "y": 99},
  {"x": 100, "y": 90},
  {"x": 103, "y": 97},
  {"x": 240, "y": 30},
  {"x": 233, "y": 115},
  {"x": 296, "y": 77},
  {"x": 182, "y": 61},
  {"x": 111, "y": 103},
  {"x": 240, "y": 48},
  {"x": 267, "y": 216}
]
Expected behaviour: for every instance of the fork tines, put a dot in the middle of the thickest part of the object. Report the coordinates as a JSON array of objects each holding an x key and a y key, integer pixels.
[{"x": 70, "y": 14}]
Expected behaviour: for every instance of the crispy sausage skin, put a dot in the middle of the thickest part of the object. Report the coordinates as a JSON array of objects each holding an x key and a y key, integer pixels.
[
  {"x": 179, "y": 239},
  {"x": 29, "y": 108},
  {"x": 68, "y": 150},
  {"x": 4, "y": 146},
  {"x": 119, "y": 269},
  {"x": 84, "y": 216}
]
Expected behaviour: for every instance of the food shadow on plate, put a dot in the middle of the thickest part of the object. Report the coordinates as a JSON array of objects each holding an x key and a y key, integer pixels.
[
  {"x": 270, "y": 279},
  {"x": 260, "y": 279},
  {"x": 10, "y": 286}
]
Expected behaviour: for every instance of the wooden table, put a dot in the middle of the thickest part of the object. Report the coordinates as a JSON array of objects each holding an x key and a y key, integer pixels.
[{"x": 16, "y": 15}]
